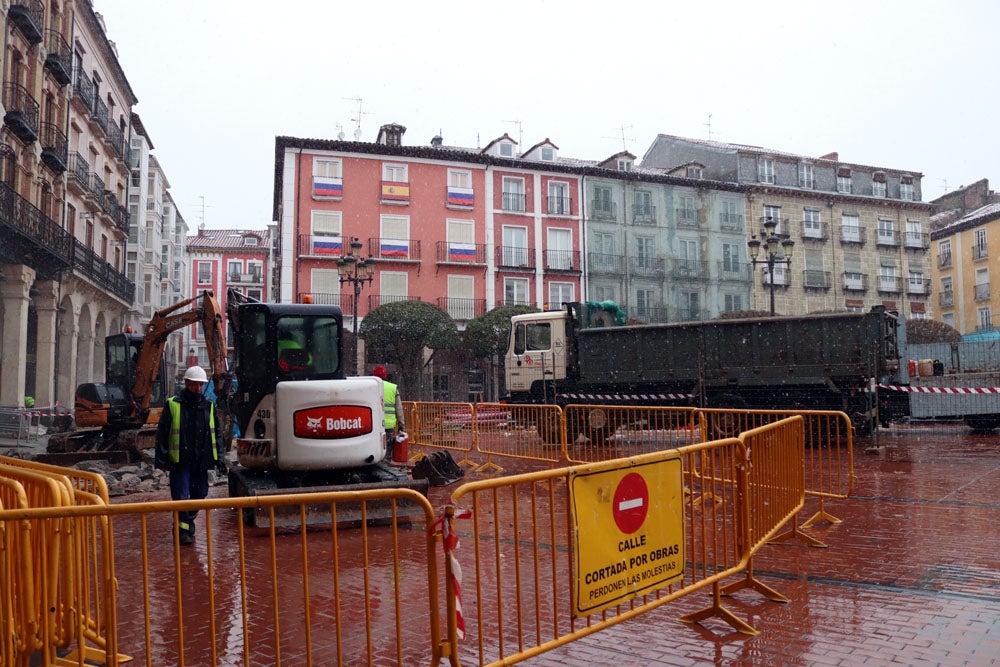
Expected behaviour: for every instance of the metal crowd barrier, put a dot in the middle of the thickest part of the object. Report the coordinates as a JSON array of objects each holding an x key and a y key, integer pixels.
[
  {"x": 434, "y": 426},
  {"x": 512, "y": 593},
  {"x": 619, "y": 432}
]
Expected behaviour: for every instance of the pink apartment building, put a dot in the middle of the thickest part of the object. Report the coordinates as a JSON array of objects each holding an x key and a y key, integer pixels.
[{"x": 465, "y": 229}]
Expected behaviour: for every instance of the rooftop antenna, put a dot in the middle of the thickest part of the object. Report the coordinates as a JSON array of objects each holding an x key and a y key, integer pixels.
[
  {"x": 621, "y": 136},
  {"x": 201, "y": 212},
  {"x": 944, "y": 184},
  {"x": 340, "y": 131},
  {"x": 360, "y": 113},
  {"x": 520, "y": 133},
  {"x": 708, "y": 124}
]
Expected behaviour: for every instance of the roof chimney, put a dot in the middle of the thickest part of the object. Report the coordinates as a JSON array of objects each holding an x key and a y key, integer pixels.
[
  {"x": 391, "y": 135},
  {"x": 834, "y": 156},
  {"x": 437, "y": 140}
]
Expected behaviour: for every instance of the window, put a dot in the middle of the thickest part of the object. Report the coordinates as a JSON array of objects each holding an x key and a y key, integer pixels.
[
  {"x": 765, "y": 170},
  {"x": 850, "y": 227},
  {"x": 916, "y": 280},
  {"x": 690, "y": 306},
  {"x": 624, "y": 165},
  {"x": 235, "y": 269},
  {"x": 886, "y": 232},
  {"x": 944, "y": 253},
  {"x": 985, "y": 317},
  {"x": 513, "y": 194},
  {"x": 515, "y": 292},
  {"x": 807, "y": 178},
  {"x": 204, "y": 273},
  {"x": 506, "y": 149},
  {"x": 982, "y": 286},
  {"x": 459, "y": 178},
  {"x": 393, "y": 286},
  {"x": 602, "y": 252},
  {"x": 814, "y": 275},
  {"x": 887, "y": 275},
  {"x": 604, "y": 206},
  {"x": 644, "y": 302},
  {"x": 947, "y": 295},
  {"x": 645, "y": 252},
  {"x": 532, "y": 337},
  {"x": 732, "y": 215},
  {"x": 256, "y": 271},
  {"x": 515, "y": 246},
  {"x": 326, "y": 234},
  {"x": 325, "y": 284},
  {"x": 558, "y": 198},
  {"x": 878, "y": 189},
  {"x": 642, "y": 206},
  {"x": 695, "y": 172},
  {"x": 773, "y": 213},
  {"x": 560, "y": 249},
  {"x": 853, "y": 278},
  {"x": 461, "y": 242},
  {"x": 603, "y": 293},
  {"x": 844, "y": 180},
  {"x": 812, "y": 228},
  {"x": 732, "y": 259},
  {"x": 460, "y": 192},
  {"x": 461, "y": 301},
  {"x": 948, "y": 318},
  {"x": 686, "y": 212},
  {"x": 395, "y": 173},
  {"x": 326, "y": 167},
  {"x": 394, "y": 237},
  {"x": 906, "y": 192},
  {"x": 733, "y": 303},
  {"x": 548, "y": 154},
  {"x": 250, "y": 240},
  {"x": 560, "y": 293},
  {"x": 914, "y": 237},
  {"x": 979, "y": 250},
  {"x": 328, "y": 182}
]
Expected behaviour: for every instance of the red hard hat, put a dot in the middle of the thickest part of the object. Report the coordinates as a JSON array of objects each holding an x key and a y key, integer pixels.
[{"x": 379, "y": 371}]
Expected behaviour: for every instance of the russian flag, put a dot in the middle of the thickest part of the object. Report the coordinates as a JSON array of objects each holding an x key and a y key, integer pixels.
[
  {"x": 327, "y": 245},
  {"x": 462, "y": 252},
  {"x": 395, "y": 248},
  {"x": 327, "y": 187},
  {"x": 461, "y": 196}
]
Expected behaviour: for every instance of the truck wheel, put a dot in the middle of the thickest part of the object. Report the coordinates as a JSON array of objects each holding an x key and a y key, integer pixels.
[
  {"x": 982, "y": 423},
  {"x": 597, "y": 426}
]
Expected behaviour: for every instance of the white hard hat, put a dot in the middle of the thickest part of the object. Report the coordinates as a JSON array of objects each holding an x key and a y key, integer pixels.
[{"x": 195, "y": 374}]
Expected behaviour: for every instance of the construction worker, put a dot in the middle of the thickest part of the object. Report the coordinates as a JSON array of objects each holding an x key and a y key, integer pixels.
[
  {"x": 291, "y": 355},
  {"x": 393, "y": 408},
  {"x": 188, "y": 445}
]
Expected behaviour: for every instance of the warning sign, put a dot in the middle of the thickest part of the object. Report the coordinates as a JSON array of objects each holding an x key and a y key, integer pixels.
[{"x": 629, "y": 530}]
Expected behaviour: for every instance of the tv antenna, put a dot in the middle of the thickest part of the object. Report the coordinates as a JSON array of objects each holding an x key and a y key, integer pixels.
[
  {"x": 201, "y": 212},
  {"x": 360, "y": 113},
  {"x": 520, "y": 132},
  {"x": 708, "y": 124},
  {"x": 621, "y": 136}
]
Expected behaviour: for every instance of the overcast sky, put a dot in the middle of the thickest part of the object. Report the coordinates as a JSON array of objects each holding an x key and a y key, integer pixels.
[{"x": 905, "y": 85}]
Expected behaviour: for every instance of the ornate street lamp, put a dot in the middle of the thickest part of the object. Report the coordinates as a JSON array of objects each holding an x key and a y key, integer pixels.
[
  {"x": 356, "y": 270},
  {"x": 776, "y": 251}
]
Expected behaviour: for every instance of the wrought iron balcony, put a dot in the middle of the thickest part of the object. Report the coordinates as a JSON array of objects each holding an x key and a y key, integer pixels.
[
  {"x": 946, "y": 299},
  {"x": 812, "y": 279},
  {"x": 512, "y": 201},
  {"x": 90, "y": 264},
  {"x": 855, "y": 282},
  {"x": 604, "y": 209},
  {"x": 915, "y": 240},
  {"x": 30, "y": 237},
  {"x": 255, "y": 277},
  {"x": 561, "y": 260},
  {"x": 813, "y": 231},
  {"x": 944, "y": 260},
  {"x": 450, "y": 252},
  {"x": 918, "y": 287},
  {"x": 323, "y": 246},
  {"x": 643, "y": 214},
  {"x": 887, "y": 237},
  {"x": 686, "y": 217},
  {"x": 980, "y": 251},
  {"x": 58, "y": 57},
  {"x": 376, "y": 300},
  {"x": 852, "y": 234},
  {"x": 79, "y": 171},
  {"x": 558, "y": 205},
  {"x": 394, "y": 250},
  {"x": 55, "y": 148},
  {"x": 605, "y": 263},
  {"x": 29, "y": 17},
  {"x": 100, "y": 114},
  {"x": 890, "y": 285},
  {"x": 734, "y": 270},
  {"x": 649, "y": 314},
  {"x": 515, "y": 257},
  {"x": 345, "y": 301},
  {"x": 649, "y": 267},
  {"x": 84, "y": 90},
  {"x": 687, "y": 269},
  {"x": 97, "y": 189},
  {"x": 981, "y": 292},
  {"x": 731, "y": 221},
  {"x": 22, "y": 112},
  {"x": 116, "y": 140},
  {"x": 462, "y": 309}
]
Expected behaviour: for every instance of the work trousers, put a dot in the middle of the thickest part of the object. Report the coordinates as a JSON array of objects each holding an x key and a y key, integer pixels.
[{"x": 188, "y": 484}]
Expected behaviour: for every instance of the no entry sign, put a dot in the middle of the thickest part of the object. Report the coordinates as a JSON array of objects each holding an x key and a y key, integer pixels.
[{"x": 631, "y": 503}]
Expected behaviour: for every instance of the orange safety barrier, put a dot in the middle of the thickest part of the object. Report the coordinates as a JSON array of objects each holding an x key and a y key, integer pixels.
[
  {"x": 368, "y": 594},
  {"x": 829, "y": 454},
  {"x": 17, "y": 599},
  {"x": 440, "y": 426},
  {"x": 601, "y": 432},
  {"x": 518, "y": 590},
  {"x": 525, "y": 432}
]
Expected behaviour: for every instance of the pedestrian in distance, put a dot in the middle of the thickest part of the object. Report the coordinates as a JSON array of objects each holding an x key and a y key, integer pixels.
[{"x": 188, "y": 445}]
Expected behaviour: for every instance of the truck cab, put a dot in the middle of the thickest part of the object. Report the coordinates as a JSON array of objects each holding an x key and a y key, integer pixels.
[{"x": 537, "y": 353}]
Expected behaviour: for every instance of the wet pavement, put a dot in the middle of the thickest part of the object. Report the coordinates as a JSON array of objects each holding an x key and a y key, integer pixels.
[{"x": 911, "y": 575}]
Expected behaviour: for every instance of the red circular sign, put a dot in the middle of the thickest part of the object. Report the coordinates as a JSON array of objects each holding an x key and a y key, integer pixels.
[{"x": 631, "y": 503}]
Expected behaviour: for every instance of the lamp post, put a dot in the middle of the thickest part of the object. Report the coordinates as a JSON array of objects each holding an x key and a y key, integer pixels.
[
  {"x": 356, "y": 270},
  {"x": 776, "y": 251}
]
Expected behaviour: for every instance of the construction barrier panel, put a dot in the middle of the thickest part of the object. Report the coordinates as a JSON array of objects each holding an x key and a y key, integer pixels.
[
  {"x": 600, "y": 432},
  {"x": 434, "y": 426},
  {"x": 556, "y": 555},
  {"x": 518, "y": 432},
  {"x": 367, "y": 595}
]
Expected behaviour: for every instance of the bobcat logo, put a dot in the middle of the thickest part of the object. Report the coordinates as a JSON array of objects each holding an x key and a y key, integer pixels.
[{"x": 314, "y": 423}]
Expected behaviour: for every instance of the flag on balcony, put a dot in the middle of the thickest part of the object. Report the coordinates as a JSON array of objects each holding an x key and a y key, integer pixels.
[
  {"x": 395, "y": 248},
  {"x": 461, "y": 252},
  {"x": 327, "y": 245},
  {"x": 460, "y": 196},
  {"x": 324, "y": 186},
  {"x": 395, "y": 191}
]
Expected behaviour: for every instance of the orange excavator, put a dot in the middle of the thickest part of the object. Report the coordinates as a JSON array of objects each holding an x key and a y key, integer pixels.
[{"x": 122, "y": 412}]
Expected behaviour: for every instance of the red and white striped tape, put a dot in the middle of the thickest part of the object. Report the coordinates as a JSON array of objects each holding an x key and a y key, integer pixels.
[
  {"x": 941, "y": 390},
  {"x": 626, "y": 397},
  {"x": 449, "y": 538}
]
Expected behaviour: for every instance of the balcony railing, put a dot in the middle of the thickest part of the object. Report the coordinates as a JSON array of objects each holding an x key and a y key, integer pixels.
[
  {"x": 644, "y": 214},
  {"x": 979, "y": 252},
  {"x": 97, "y": 189},
  {"x": 688, "y": 314},
  {"x": 890, "y": 284},
  {"x": 687, "y": 269},
  {"x": 462, "y": 309},
  {"x": 30, "y": 237},
  {"x": 944, "y": 260},
  {"x": 394, "y": 250},
  {"x": 813, "y": 279},
  {"x": 946, "y": 299},
  {"x": 512, "y": 201},
  {"x": 100, "y": 114},
  {"x": 376, "y": 300},
  {"x": 252, "y": 278},
  {"x": 55, "y": 148},
  {"x": 84, "y": 90},
  {"x": 649, "y": 267},
  {"x": 650, "y": 314},
  {"x": 852, "y": 234},
  {"x": 601, "y": 208},
  {"x": 22, "y": 111},
  {"x": 29, "y": 17},
  {"x": 79, "y": 171},
  {"x": 915, "y": 240},
  {"x": 918, "y": 286},
  {"x": 116, "y": 140},
  {"x": 981, "y": 292},
  {"x": 813, "y": 231},
  {"x": 887, "y": 237},
  {"x": 605, "y": 263},
  {"x": 561, "y": 260},
  {"x": 58, "y": 57},
  {"x": 558, "y": 205},
  {"x": 515, "y": 257},
  {"x": 782, "y": 277},
  {"x": 734, "y": 271},
  {"x": 686, "y": 217},
  {"x": 92, "y": 265},
  {"x": 451, "y": 252},
  {"x": 732, "y": 221}
]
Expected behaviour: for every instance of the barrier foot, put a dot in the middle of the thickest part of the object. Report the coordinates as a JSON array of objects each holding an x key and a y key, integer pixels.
[
  {"x": 706, "y": 496},
  {"x": 796, "y": 533},
  {"x": 91, "y": 656},
  {"x": 720, "y": 612},
  {"x": 820, "y": 515},
  {"x": 753, "y": 583},
  {"x": 489, "y": 466}
]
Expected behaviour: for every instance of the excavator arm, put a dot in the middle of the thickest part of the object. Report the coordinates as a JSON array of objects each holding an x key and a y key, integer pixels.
[{"x": 205, "y": 309}]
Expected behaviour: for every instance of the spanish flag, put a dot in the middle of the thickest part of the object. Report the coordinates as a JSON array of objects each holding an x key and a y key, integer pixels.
[{"x": 395, "y": 191}]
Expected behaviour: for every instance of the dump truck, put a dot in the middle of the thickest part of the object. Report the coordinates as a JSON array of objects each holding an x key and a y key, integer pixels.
[{"x": 582, "y": 355}]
